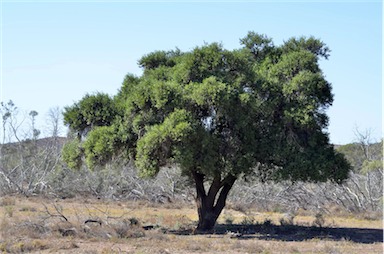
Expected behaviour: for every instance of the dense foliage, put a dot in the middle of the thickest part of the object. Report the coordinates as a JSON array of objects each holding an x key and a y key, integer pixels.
[{"x": 217, "y": 114}]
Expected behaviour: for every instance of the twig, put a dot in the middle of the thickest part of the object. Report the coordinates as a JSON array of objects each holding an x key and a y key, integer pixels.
[{"x": 59, "y": 213}]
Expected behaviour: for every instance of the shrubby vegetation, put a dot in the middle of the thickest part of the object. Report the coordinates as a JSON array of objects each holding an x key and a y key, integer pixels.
[
  {"x": 362, "y": 193},
  {"x": 35, "y": 168}
]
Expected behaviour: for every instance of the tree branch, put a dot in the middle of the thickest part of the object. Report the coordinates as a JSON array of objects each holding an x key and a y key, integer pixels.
[{"x": 227, "y": 185}]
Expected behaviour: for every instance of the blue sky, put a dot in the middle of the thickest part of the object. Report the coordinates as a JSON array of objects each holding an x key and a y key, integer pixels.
[{"x": 54, "y": 52}]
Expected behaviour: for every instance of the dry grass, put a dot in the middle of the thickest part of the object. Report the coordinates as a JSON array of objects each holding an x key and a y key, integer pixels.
[{"x": 36, "y": 225}]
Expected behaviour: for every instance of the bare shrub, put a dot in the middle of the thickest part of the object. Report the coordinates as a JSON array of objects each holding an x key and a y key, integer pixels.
[
  {"x": 33, "y": 229},
  {"x": 130, "y": 228}
]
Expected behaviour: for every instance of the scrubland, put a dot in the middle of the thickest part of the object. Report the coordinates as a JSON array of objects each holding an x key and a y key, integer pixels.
[{"x": 90, "y": 225}]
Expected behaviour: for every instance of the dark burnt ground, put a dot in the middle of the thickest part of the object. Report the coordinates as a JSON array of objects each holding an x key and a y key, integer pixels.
[{"x": 294, "y": 233}]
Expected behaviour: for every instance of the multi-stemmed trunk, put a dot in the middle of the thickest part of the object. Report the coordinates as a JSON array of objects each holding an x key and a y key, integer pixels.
[{"x": 211, "y": 203}]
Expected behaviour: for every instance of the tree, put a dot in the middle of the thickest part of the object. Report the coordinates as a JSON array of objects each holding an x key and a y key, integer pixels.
[
  {"x": 35, "y": 132},
  {"x": 218, "y": 115},
  {"x": 54, "y": 121}
]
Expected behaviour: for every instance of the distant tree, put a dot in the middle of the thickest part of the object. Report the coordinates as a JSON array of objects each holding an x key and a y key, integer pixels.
[
  {"x": 219, "y": 115},
  {"x": 364, "y": 154},
  {"x": 54, "y": 119},
  {"x": 35, "y": 132},
  {"x": 10, "y": 123}
]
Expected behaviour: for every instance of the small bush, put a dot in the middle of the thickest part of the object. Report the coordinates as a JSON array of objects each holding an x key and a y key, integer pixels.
[
  {"x": 229, "y": 219},
  {"x": 130, "y": 228},
  {"x": 157, "y": 235},
  {"x": 287, "y": 220},
  {"x": 319, "y": 220},
  {"x": 248, "y": 220},
  {"x": 7, "y": 201},
  {"x": 27, "y": 246},
  {"x": 33, "y": 229},
  {"x": 9, "y": 210}
]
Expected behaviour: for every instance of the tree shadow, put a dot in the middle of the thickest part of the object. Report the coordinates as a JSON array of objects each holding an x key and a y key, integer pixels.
[
  {"x": 294, "y": 233},
  {"x": 303, "y": 233}
]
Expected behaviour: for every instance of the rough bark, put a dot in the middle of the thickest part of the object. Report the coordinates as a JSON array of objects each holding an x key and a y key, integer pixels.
[{"x": 209, "y": 205}]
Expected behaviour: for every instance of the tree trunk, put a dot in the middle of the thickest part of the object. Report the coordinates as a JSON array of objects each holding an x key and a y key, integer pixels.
[{"x": 208, "y": 210}]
